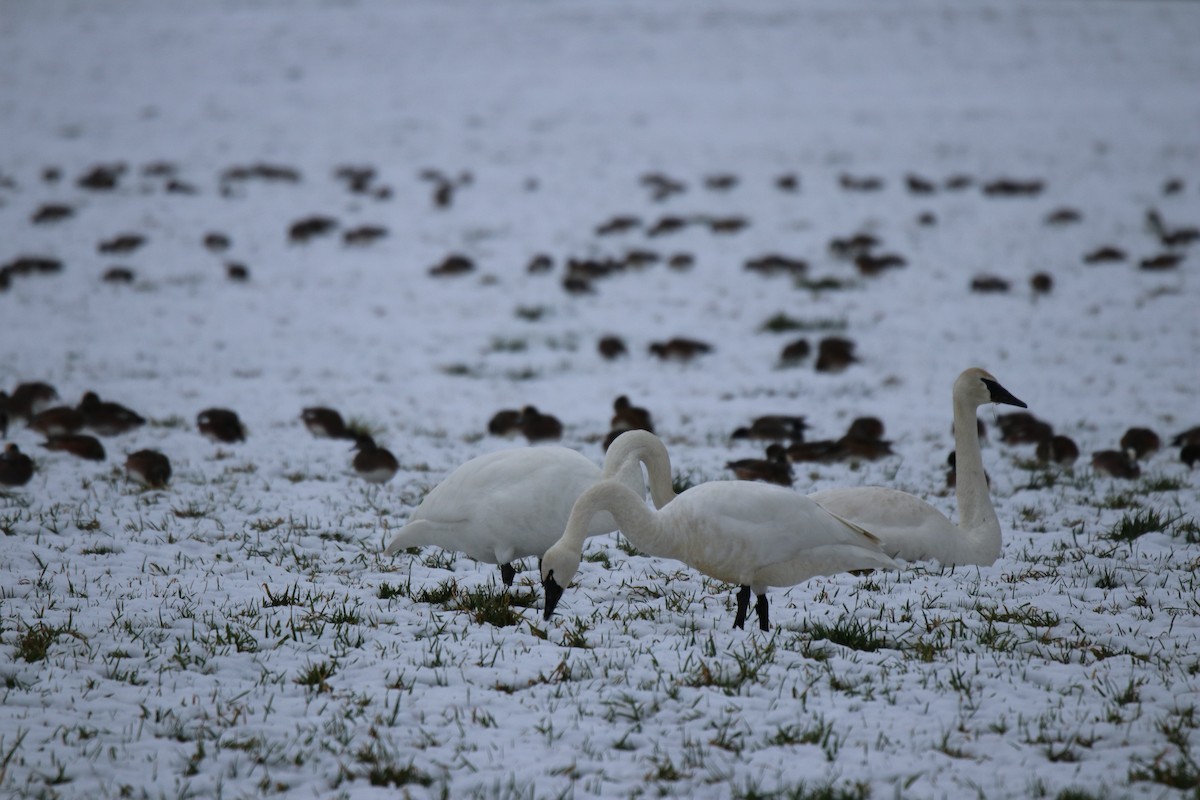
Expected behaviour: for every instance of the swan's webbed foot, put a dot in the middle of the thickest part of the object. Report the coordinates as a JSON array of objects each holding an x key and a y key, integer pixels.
[
  {"x": 507, "y": 573},
  {"x": 760, "y": 608},
  {"x": 743, "y": 605}
]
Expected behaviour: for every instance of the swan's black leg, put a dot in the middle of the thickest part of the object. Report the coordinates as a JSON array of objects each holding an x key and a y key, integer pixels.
[
  {"x": 507, "y": 573},
  {"x": 743, "y": 605},
  {"x": 761, "y": 608}
]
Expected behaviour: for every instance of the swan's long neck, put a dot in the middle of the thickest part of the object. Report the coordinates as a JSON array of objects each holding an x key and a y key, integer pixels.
[
  {"x": 976, "y": 517},
  {"x": 636, "y": 522},
  {"x": 626, "y": 457}
]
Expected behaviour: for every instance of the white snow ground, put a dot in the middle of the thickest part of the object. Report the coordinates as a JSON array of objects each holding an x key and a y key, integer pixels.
[{"x": 239, "y": 635}]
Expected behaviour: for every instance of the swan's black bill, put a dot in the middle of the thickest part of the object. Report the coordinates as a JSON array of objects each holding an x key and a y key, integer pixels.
[
  {"x": 1001, "y": 395},
  {"x": 554, "y": 593}
]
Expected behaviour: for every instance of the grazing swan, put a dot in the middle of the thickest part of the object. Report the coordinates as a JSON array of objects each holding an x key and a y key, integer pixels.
[
  {"x": 754, "y": 535},
  {"x": 914, "y": 530},
  {"x": 515, "y": 503}
]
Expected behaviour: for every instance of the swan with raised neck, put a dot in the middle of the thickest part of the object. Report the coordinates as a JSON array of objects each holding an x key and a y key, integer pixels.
[{"x": 914, "y": 530}]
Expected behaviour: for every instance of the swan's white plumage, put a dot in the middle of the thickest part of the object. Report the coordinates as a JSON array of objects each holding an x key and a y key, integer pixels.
[
  {"x": 751, "y": 534},
  {"x": 515, "y": 503},
  {"x": 911, "y": 528}
]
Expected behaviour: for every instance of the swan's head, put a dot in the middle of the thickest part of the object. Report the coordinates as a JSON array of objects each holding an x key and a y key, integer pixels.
[
  {"x": 979, "y": 387},
  {"x": 559, "y": 565}
]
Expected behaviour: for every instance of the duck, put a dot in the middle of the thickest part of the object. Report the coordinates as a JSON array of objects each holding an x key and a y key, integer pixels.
[
  {"x": 627, "y": 416},
  {"x": 363, "y": 235},
  {"x": 864, "y": 439},
  {"x": 373, "y": 463},
  {"x": 867, "y": 428},
  {"x": 776, "y": 264},
  {"x": 16, "y": 468},
  {"x": 29, "y": 398},
  {"x": 509, "y": 505},
  {"x": 681, "y": 262},
  {"x": 1058, "y": 449},
  {"x": 622, "y": 223},
  {"x": 1190, "y": 454},
  {"x": 788, "y": 182},
  {"x": 1041, "y": 283},
  {"x": 775, "y": 468},
  {"x": 911, "y": 528},
  {"x": 302, "y": 230},
  {"x": 150, "y": 468},
  {"x": 1105, "y": 255},
  {"x": 108, "y": 418},
  {"x": 221, "y": 425},
  {"x": 870, "y": 265},
  {"x": 1190, "y": 436},
  {"x": 538, "y": 427},
  {"x": 679, "y": 348},
  {"x": 753, "y": 535},
  {"x": 989, "y": 284},
  {"x": 822, "y": 451},
  {"x": 853, "y": 446},
  {"x": 794, "y": 352},
  {"x": 1116, "y": 464},
  {"x": 1023, "y": 428},
  {"x": 1142, "y": 442},
  {"x": 505, "y": 422},
  {"x": 216, "y": 242},
  {"x": 1063, "y": 216},
  {"x": 77, "y": 444},
  {"x": 119, "y": 275},
  {"x": 121, "y": 244},
  {"x": 834, "y": 354},
  {"x": 611, "y": 347},
  {"x": 773, "y": 427},
  {"x": 325, "y": 423},
  {"x": 453, "y": 264},
  {"x": 849, "y": 248},
  {"x": 57, "y": 421}
]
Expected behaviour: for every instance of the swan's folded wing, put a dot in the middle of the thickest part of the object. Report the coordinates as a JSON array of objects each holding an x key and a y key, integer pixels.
[
  {"x": 825, "y": 560},
  {"x": 910, "y": 528}
]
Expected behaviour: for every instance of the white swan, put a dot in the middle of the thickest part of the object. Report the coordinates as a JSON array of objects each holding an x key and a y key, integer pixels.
[
  {"x": 916, "y": 531},
  {"x": 754, "y": 535},
  {"x": 513, "y": 504}
]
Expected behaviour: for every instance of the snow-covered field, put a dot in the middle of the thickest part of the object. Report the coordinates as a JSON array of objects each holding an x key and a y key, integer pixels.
[{"x": 239, "y": 634}]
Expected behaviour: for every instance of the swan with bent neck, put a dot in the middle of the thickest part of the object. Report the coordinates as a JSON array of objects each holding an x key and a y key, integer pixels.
[
  {"x": 513, "y": 504},
  {"x": 914, "y": 530},
  {"x": 754, "y": 535}
]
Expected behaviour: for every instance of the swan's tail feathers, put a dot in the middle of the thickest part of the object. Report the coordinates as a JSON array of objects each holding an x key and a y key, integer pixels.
[
  {"x": 414, "y": 534},
  {"x": 855, "y": 527}
]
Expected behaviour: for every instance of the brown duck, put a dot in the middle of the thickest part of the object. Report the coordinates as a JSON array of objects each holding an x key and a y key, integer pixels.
[
  {"x": 149, "y": 468},
  {"x": 16, "y": 468}
]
